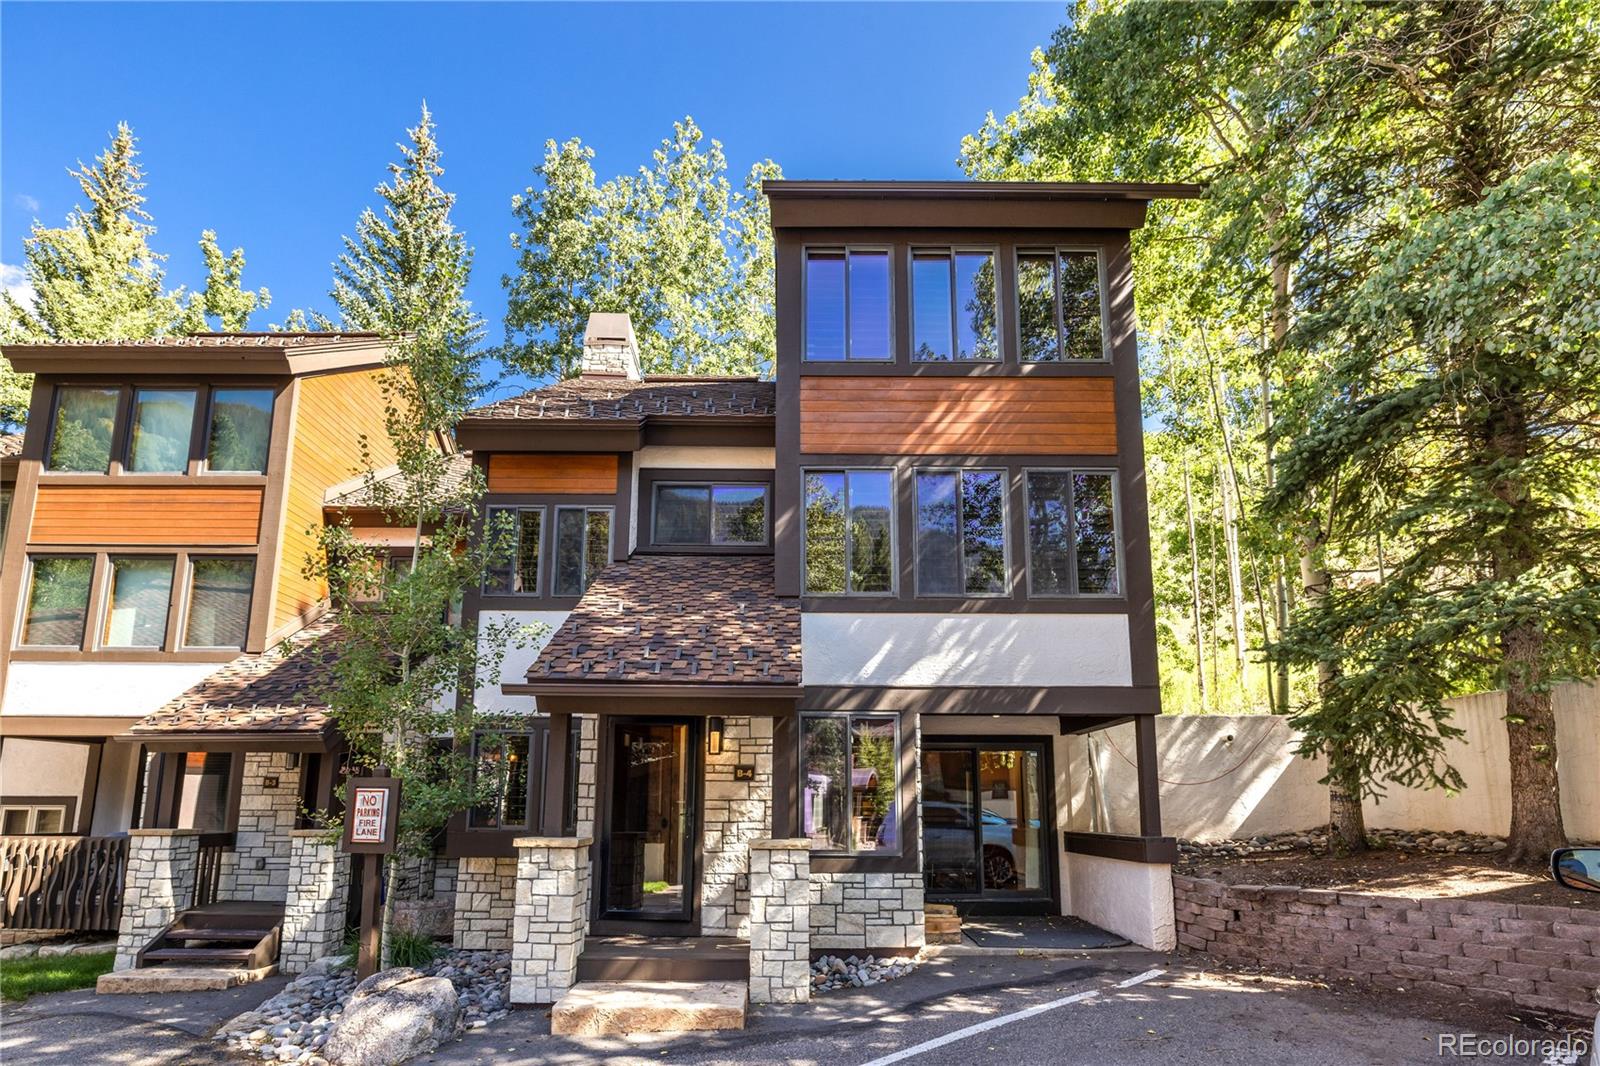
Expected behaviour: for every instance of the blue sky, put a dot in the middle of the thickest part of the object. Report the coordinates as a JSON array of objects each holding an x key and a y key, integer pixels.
[{"x": 271, "y": 123}]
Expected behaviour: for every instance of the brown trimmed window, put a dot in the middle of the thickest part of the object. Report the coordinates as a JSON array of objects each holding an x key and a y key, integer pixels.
[
  {"x": 1072, "y": 534},
  {"x": 515, "y": 572},
  {"x": 84, "y": 426},
  {"x": 707, "y": 514},
  {"x": 241, "y": 431},
  {"x": 163, "y": 426},
  {"x": 140, "y": 596},
  {"x": 849, "y": 532},
  {"x": 961, "y": 532},
  {"x": 219, "y": 601},
  {"x": 953, "y": 304},
  {"x": 501, "y": 765},
  {"x": 57, "y": 601},
  {"x": 849, "y": 309},
  {"x": 18, "y": 819},
  {"x": 849, "y": 782},
  {"x": 582, "y": 548},
  {"x": 1059, "y": 306}
]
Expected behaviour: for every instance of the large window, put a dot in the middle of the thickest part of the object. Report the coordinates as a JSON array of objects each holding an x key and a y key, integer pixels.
[
  {"x": 136, "y": 611},
  {"x": 241, "y": 427},
  {"x": 583, "y": 547},
  {"x": 58, "y": 601},
  {"x": 849, "y": 773},
  {"x": 163, "y": 425},
  {"x": 1072, "y": 537},
  {"x": 502, "y": 772},
  {"x": 728, "y": 515},
  {"x": 961, "y": 532},
  {"x": 849, "y": 309},
  {"x": 849, "y": 532},
  {"x": 1059, "y": 306},
  {"x": 219, "y": 601},
  {"x": 953, "y": 306},
  {"x": 515, "y": 572},
  {"x": 80, "y": 440}
]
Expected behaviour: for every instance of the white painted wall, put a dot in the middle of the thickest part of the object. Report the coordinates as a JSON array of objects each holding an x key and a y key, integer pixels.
[
  {"x": 514, "y": 666},
  {"x": 109, "y": 690},
  {"x": 1131, "y": 899},
  {"x": 969, "y": 649},
  {"x": 1232, "y": 776}
]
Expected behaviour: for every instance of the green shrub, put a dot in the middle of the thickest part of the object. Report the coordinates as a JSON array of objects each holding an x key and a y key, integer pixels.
[{"x": 411, "y": 949}]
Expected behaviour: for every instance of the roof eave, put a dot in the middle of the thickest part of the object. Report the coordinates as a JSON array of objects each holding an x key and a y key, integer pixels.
[{"x": 982, "y": 190}]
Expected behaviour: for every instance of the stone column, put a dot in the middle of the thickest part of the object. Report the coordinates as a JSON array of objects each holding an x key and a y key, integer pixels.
[
  {"x": 780, "y": 921},
  {"x": 485, "y": 907},
  {"x": 319, "y": 888},
  {"x": 158, "y": 884},
  {"x": 552, "y": 916}
]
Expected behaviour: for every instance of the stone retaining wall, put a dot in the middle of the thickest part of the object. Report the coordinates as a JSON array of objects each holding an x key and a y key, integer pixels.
[
  {"x": 862, "y": 911},
  {"x": 485, "y": 903},
  {"x": 1542, "y": 957}
]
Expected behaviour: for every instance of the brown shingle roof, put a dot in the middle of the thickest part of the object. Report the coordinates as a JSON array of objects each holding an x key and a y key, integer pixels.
[
  {"x": 621, "y": 400},
  {"x": 259, "y": 692},
  {"x": 297, "y": 339},
  {"x": 701, "y": 619},
  {"x": 10, "y": 445}
]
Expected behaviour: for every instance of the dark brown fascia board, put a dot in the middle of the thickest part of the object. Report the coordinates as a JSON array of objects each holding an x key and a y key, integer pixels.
[
  {"x": 703, "y": 689},
  {"x": 1094, "y": 702},
  {"x": 123, "y": 360},
  {"x": 234, "y": 740},
  {"x": 600, "y": 435},
  {"x": 983, "y": 190},
  {"x": 1119, "y": 846}
]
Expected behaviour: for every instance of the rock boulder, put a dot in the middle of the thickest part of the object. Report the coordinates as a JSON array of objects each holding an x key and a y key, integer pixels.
[{"x": 392, "y": 1016}]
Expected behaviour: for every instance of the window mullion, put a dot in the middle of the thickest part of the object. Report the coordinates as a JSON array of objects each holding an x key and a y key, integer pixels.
[
  {"x": 849, "y": 536},
  {"x": 1072, "y": 534},
  {"x": 849, "y": 784},
  {"x": 844, "y": 327}
]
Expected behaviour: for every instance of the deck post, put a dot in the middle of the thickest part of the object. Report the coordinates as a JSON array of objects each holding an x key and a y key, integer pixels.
[
  {"x": 553, "y": 809},
  {"x": 1149, "y": 783}
]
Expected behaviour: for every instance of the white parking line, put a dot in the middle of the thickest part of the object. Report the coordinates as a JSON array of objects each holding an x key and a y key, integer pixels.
[{"x": 1007, "y": 1019}]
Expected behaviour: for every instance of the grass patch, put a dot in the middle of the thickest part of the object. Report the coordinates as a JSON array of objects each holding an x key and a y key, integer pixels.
[
  {"x": 655, "y": 886},
  {"x": 21, "y": 978}
]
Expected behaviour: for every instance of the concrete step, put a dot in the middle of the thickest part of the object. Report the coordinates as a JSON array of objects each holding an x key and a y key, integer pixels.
[
  {"x": 615, "y": 1008},
  {"x": 179, "y": 979}
]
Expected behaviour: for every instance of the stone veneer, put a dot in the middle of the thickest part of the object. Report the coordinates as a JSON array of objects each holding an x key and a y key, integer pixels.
[
  {"x": 588, "y": 761},
  {"x": 1543, "y": 957},
  {"x": 552, "y": 916},
  {"x": 866, "y": 911},
  {"x": 257, "y": 867},
  {"x": 486, "y": 900},
  {"x": 780, "y": 921},
  {"x": 158, "y": 884},
  {"x": 736, "y": 813},
  {"x": 319, "y": 888}
]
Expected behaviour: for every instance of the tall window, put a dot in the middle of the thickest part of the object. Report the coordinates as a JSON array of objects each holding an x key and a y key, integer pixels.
[
  {"x": 710, "y": 514},
  {"x": 58, "y": 601},
  {"x": 583, "y": 547},
  {"x": 961, "y": 532},
  {"x": 1059, "y": 306},
  {"x": 1072, "y": 539},
  {"x": 203, "y": 797},
  {"x": 849, "y": 531},
  {"x": 219, "y": 601},
  {"x": 848, "y": 304},
  {"x": 163, "y": 424},
  {"x": 953, "y": 306},
  {"x": 849, "y": 769},
  {"x": 141, "y": 593},
  {"x": 241, "y": 429},
  {"x": 516, "y": 573},
  {"x": 80, "y": 439},
  {"x": 502, "y": 771}
]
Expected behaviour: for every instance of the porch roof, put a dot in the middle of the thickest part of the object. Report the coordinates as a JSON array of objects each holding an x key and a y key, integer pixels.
[{"x": 695, "y": 620}]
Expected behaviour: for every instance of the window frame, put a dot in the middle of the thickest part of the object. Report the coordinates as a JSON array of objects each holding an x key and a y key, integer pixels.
[
  {"x": 952, "y": 251},
  {"x": 33, "y": 808},
  {"x": 106, "y": 599},
  {"x": 197, "y": 461},
  {"x": 848, "y": 250},
  {"x": 115, "y": 454},
  {"x": 202, "y": 403},
  {"x": 1072, "y": 532},
  {"x": 711, "y": 485},
  {"x": 893, "y": 590},
  {"x": 546, "y": 546},
  {"x": 961, "y": 551},
  {"x": 538, "y": 750},
  {"x": 850, "y": 717},
  {"x": 19, "y": 642},
  {"x": 1056, "y": 251},
  {"x": 555, "y": 526},
  {"x": 203, "y": 463},
  {"x": 183, "y": 601}
]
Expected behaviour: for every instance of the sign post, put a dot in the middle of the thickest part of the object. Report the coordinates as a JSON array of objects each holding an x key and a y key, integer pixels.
[{"x": 371, "y": 816}]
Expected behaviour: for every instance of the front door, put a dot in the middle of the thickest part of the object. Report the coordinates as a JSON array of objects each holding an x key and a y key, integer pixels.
[
  {"x": 648, "y": 851},
  {"x": 986, "y": 825}
]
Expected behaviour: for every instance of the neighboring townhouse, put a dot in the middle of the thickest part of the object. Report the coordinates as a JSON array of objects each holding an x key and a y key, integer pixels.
[{"x": 809, "y": 653}]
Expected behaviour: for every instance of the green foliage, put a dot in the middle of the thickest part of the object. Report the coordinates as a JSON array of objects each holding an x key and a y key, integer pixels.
[
  {"x": 21, "y": 978},
  {"x": 686, "y": 255},
  {"x": 406, "y": 948}
]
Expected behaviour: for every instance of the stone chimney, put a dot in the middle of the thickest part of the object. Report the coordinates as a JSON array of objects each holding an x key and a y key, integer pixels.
[{"x": 610, "y": 350}]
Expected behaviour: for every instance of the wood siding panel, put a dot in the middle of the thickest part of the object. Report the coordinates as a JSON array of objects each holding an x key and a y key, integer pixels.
[
  {"x": 1032, "y": 415},
  {"x": 331, "y": 413},
  {"x": 203, "y": 515},
  {"x": 595, "y": 475}
]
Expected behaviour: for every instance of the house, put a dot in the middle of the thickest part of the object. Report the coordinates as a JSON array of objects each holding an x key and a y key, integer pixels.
[{"x": 806, "y": 652}]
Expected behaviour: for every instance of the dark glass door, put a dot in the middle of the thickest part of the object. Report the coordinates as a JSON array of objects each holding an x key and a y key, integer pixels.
[
  {"x": 651, "y": 824},
  {"x": 986, "y": 822}
]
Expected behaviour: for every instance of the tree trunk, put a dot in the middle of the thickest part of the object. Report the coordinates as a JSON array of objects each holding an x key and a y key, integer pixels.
[
  {"x": 1194, "y": 587},
  {"x": 1536, "y": 826},
  {"x": 1347, "y": 826},
  {"x": 1280, "y": 587}
]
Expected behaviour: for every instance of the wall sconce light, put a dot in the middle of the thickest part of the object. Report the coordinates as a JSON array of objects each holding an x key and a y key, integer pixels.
[
  {"x": 293, "y": 760},
  {"x": 714, "y": 736}
]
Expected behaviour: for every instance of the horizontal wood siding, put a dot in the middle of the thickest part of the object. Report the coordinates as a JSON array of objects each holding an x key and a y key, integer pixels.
[
  {"x": 332, "y": 413},
  {"x": 511, "y": 472},
  {"x": 958, "y": 416},
  {"x": 148, "y": 514}
]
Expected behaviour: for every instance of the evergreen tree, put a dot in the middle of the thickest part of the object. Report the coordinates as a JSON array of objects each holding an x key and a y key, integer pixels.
[{"x": 686, "y": 255}]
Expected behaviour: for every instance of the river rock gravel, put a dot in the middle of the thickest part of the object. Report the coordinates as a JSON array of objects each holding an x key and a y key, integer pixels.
[{"x": 851, "y": 971}]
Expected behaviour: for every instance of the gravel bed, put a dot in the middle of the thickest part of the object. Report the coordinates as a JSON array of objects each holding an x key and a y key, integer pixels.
[
  {"x": 832, "y": 971},
  {"x": 293, "y": 1025},
  {"x": 1421, "y": 841}
]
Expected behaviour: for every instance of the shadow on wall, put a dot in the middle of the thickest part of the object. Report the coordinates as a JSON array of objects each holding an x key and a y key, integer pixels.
[{"x": 1237, "y": 776}]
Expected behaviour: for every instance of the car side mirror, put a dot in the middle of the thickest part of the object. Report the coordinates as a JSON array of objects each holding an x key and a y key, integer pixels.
[{"x": 1577, "y": 868}]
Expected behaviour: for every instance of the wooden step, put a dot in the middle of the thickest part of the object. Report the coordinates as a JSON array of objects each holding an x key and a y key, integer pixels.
[
  {"x": 199, "y": 955},
  {"x": 251, "y": 935},
  {"x": 708, "y": 958},
  {"x": 620, "y": 1008}
]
